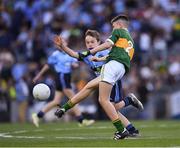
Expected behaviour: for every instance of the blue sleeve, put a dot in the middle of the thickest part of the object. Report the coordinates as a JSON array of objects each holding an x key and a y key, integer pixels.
[
  {"x": 74, "y": 60},
  {"x": 103, "y": 53},
  {"x": 52, "y": 60}
]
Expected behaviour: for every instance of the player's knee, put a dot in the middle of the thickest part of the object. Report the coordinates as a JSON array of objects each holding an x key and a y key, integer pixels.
[{"x": 101, "y": 100}]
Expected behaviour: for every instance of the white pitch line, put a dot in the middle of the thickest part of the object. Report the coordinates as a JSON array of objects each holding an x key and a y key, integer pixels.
[
  {"x": 21, "y": 137},
  {"x": 82, "y": 128},
  {"x": 30, "y": 137},
  {"x": 10, "y": 134},
  {"x": 105, "y": 138},
  {"x": 82, "y": 138},
  {"x": 5, "y": 133},
  {"x": 75, "y": 137},
  {"x": 19, "y": 132},
  {"x": 2, "y": 134},
  {"x": 6, "y": 136}
]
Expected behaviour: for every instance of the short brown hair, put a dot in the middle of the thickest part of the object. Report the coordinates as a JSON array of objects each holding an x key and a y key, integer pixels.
[
  {"x": 93, "y": 33},
  {"x": 120, "y": 17}
]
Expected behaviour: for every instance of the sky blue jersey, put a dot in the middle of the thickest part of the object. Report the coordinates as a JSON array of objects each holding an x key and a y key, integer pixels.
[
  {"x": 61, "y": 62},
  {"x": 96, "y": 66}
]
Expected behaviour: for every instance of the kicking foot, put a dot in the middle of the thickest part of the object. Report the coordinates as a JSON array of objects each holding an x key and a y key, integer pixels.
[
  {"x": 134, "y": 133},
  {"x": 59, "y": 112},
  {"x": 35, "y": 119},
  {"x": 135, "y": 102},
  {"x": 86, "y": 122},
  {"x": 121, "y": 135}
]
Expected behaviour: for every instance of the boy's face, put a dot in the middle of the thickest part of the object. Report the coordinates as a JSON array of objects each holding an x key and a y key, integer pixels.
[
  {"x": 91, "y": 42},
  {"x": 116, "y": 25}
]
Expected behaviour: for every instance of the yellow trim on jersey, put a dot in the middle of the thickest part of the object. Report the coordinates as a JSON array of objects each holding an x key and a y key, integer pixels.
[
  {"x": 124, "y": 43},
  {"x": 131, "y": 53}
]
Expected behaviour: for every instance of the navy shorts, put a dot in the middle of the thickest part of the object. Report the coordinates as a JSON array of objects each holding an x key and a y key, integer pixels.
[
  {"x": 63, "y": 81},
  {"x": 116, "y": 93}
]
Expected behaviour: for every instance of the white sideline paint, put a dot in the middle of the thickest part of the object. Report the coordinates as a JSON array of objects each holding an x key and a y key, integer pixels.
[
  {"x": 2, "y": 134},
  {"x": 83, "y": 138},
  {"x": 21, "y": 137},
  {"x": 82, "y": 128},
  {"x": 30, "y": 137},
  {"x": 9, "y": 135}
]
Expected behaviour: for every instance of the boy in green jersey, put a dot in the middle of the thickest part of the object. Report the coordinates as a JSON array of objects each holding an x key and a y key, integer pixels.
[{"x": 117, "y": 64}]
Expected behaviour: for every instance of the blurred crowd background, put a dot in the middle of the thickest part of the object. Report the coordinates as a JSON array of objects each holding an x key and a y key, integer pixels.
[{"x": 26, "y": 31}]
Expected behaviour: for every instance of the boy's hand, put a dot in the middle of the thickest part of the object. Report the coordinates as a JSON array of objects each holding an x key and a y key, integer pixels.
[
  {"x": 57, "y": 40},
  {"x": 95, "y": 59},
  {"x": 83, "y": 54}
]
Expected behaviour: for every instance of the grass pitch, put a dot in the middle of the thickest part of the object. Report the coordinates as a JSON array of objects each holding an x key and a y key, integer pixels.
[{"x": 153, "y": 133}]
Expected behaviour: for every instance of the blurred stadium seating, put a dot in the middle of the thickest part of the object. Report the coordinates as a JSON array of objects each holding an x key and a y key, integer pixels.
[{"x": 26, "y": 30}]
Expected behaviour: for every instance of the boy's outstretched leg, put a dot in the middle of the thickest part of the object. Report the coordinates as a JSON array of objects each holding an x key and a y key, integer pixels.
[
  {"x": 85, "y": 92},
  {"x": 76, "y": 111},
  {"x": 104, "y": 94}
]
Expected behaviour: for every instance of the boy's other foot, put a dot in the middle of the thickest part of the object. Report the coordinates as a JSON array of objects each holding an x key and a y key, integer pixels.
[
  {"x": 35, "y": 119},
  {"x": 135, "y": 102},
  {"x": 121, "y": 135},
  {"x": 59, "y": 112},
  {"x": 86, "y": 122},
  {"x": 134, "y": 133}
]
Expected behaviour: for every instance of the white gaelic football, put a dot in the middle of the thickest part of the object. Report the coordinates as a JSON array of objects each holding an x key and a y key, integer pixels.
[{"x": 41, "y": 91}]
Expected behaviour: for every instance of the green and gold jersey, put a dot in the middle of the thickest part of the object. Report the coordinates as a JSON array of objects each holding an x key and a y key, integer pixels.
[{"x": 122, "y": 50}]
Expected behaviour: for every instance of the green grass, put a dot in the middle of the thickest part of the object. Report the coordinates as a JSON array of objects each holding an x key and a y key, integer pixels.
[{"x": 153, "y": 133}]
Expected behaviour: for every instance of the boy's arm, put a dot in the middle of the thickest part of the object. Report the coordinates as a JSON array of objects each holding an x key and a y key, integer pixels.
[
  {"x": 101, "y": 47},
  {"x": 58, "y": 41},
  {"x": 96, "y": 59},
  {"x": 42, "y": 71},
  {"x": 108, "y": 43},
  {"x": 69, "y": 51},
  {"x": 105, "y": 45}
]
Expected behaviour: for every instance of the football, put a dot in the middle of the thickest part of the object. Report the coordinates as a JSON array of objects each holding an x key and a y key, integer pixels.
[{"x": 41, "y": 91}]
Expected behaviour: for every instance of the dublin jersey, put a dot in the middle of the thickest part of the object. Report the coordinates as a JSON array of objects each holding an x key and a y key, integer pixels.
[
  {"x": 96, "y": 66},
  {"x": 61, "y": 62}
]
